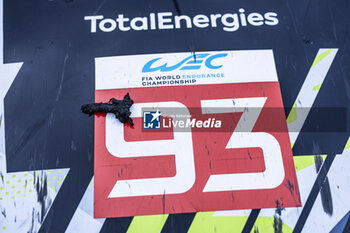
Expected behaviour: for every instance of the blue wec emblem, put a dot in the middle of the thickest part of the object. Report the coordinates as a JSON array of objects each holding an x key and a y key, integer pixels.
[{"x": 192, "y": 62}]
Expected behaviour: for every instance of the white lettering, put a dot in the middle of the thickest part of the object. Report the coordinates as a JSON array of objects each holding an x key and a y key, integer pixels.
[
  {"x": 121, "y": 20},
  {"x": 93, "y": 19},
  {"x": 136, "y": 27},
  {"x": 112, "y": 25},
  {"x": 255, "y": 19},
  {"x": 201, "y": 21},
  {"x": 162, "y": 20}
]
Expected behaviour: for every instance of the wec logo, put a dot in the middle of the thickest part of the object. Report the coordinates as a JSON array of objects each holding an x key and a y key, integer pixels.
[{"x": 193, "y": 62}]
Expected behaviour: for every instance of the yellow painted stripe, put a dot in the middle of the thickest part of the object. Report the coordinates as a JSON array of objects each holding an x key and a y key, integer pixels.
[
  {"x": 265, "y": 224},
  {"x": 293, "y": 116},
  {"x": 317, "y": 87},
  {"x": 304, "y": 161},
  {"x": 347, "y": 146},
  {"x": 321, "y": 56},
  {"x": 205, "y": 222},
  {"x": 147, "y": 224}
]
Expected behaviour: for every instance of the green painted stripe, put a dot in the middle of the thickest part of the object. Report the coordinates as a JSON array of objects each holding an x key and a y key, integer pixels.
[
  {"x": 347, "y": 146},
  {"x": 266, "y": 224},
  {"x": 147, "y": 224},
  {"x": 317, "y": 87},
  {"x": 304, "y": 161},
  {"x": 293, "y": 116},
  {"x": 205, "y": 222},
  {"x": 321, "y": 56}
]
